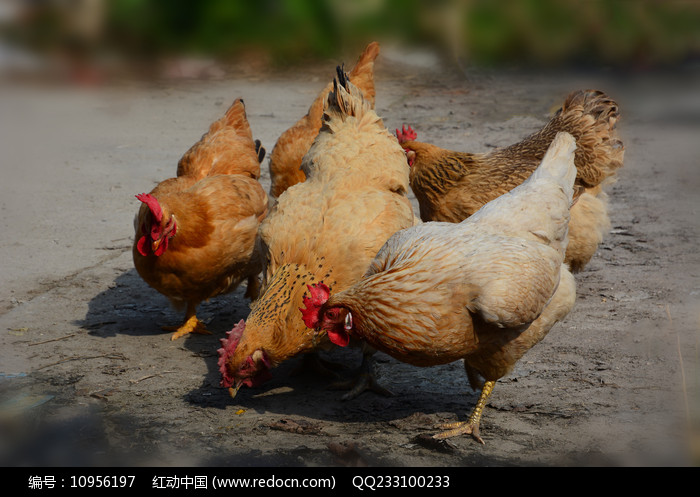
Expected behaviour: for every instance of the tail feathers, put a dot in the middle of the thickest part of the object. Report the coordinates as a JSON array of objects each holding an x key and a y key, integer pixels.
[
  {"x": 345, "y": 98},
  {"x": 260, "y": 150},
  {"x": 537, "y": 209},
  {"x": 558, "y": 163},
  {"x": 591, "y": 116},
  {"x": 236, "y": 118},
  {"x": 342, "y": 77},
  {"x": 366, "y": 59},
  {"x": 362, "y": 74}
]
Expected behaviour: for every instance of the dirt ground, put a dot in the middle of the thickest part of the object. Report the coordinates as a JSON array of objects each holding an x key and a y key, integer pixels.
[{"x": 87, "y": 377}]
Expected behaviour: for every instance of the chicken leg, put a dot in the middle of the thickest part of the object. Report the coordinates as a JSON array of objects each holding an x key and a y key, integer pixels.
[
  {"x": 471, "y": 426},
  {"x": 312, "y": 362},
  {"x": 191, "y": 325},
  {"x": 364, "y": 380}
]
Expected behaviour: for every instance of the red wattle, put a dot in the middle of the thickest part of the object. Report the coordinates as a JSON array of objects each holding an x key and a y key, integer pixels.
[
  {"x": 339, "y": 338},
  {"x": 141, "y": 246}
]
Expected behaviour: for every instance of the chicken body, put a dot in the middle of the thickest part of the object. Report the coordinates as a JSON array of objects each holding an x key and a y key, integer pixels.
[
  {"x": 294, "y": 143},
  {"x": 327, "y": 228},
  {"x": 484, "y": 290},
  {"x": 451, "y": 186},
  {"x": 195, "y": 233}
]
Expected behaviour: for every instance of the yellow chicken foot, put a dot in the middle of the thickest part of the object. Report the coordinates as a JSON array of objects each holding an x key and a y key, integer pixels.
[
  {"x": 192, "y": 325},
  {"x": 471, "y": 426}
]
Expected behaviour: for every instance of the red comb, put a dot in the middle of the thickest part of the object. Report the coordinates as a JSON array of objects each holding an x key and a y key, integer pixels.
[
  {"x": 229, "y": 345},
  {"x": 152, "y": 204},
  {"x": 406, "y": 134},
  {"x": 319, "y": 295}
]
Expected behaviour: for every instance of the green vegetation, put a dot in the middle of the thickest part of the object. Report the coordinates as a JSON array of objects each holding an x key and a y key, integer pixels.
[{"x": 651, "y": 32}]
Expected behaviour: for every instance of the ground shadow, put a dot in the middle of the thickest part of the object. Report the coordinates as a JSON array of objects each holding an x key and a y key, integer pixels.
[{"x": 131, "y": 307}]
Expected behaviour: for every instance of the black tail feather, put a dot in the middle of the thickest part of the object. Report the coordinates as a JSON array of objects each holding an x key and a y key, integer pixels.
[
  {"x": 259, "y": 150},
  {"x": 342, "y": 75}
]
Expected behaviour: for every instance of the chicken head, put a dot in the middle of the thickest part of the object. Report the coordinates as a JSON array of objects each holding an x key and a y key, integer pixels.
[
  {"x": 160, "y": 230},
  {"x": 335, "y": 321},
  {"x": 253, "y": 371}
]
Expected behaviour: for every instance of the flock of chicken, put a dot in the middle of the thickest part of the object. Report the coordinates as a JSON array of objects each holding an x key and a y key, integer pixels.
[{"x": 482, "y": 276}]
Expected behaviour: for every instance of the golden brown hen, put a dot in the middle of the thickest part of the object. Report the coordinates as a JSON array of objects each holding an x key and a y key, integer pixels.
[
  {"x": 450, "y": 186},
  {"x": 327, "y": 228},
  {"x": 293, "y": 144},
  {"x": 484, "y": 290},
  {"x": 195, "y": 233}
]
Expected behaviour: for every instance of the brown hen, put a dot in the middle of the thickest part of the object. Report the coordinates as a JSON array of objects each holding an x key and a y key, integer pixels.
[
  {"x": 327, "y": 228},
  {"x": 293, "y": 144},
  {"x": 484, "y": 290},
  {"x": 195, "y": 233},
  {"x": 450, "y": 186}
]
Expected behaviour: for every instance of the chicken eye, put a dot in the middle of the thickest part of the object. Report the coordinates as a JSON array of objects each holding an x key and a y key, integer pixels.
[
  {"x": 410, "y": 156},
  {"x": 171, "y": 228}
]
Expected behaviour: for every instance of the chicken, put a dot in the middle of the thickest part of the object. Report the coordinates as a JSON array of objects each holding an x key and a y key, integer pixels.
[
  {"x": 292, "y": 145},
  {"x": 450, "y": 186},
  {"x": 327, "y": 228},
  {"x": 196, "y": 233},
  {"x": 484, "y": 290}
]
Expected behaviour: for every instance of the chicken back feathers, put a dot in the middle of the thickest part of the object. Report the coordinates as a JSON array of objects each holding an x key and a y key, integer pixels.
[
  {"x": 327, "y": 228},
  {"x": 224, "y": 149},
  {"x": 211, "y": 218},
  {"x": 484, "y": 290},
  {"x": 450, "y": 186},
  {"x": 293, "y": 144}
]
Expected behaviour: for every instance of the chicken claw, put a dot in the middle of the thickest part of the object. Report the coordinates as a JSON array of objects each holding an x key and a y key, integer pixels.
[
  {"x": 361, "y": 383},
  {"x": 364, "y": 381},
  {"x": 460, "y": 428},
  {"x": 192, "y": 325},
  {"x": 471, "y": 426}
]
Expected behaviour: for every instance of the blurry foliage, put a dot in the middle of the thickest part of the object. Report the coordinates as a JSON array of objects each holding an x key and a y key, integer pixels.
[{"x": 288, "y": 31}]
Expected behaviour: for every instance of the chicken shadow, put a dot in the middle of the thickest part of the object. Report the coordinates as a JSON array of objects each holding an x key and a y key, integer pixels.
[{"x": 131, "y": 307}]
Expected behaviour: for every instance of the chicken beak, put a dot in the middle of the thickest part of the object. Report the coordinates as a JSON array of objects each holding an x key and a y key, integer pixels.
[
  {"x": 234, "y": 390},
  {"x": 156, "y": 244}
]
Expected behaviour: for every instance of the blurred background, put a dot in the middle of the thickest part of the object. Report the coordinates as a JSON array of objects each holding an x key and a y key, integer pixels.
[{"x": 86, "y": 40}]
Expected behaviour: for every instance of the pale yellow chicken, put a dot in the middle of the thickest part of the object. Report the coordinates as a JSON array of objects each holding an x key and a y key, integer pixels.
[
  {"x": 325, "y": 229},
  {"x": 293, "y": 144},
  {"x": 484, "y": 290}
]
